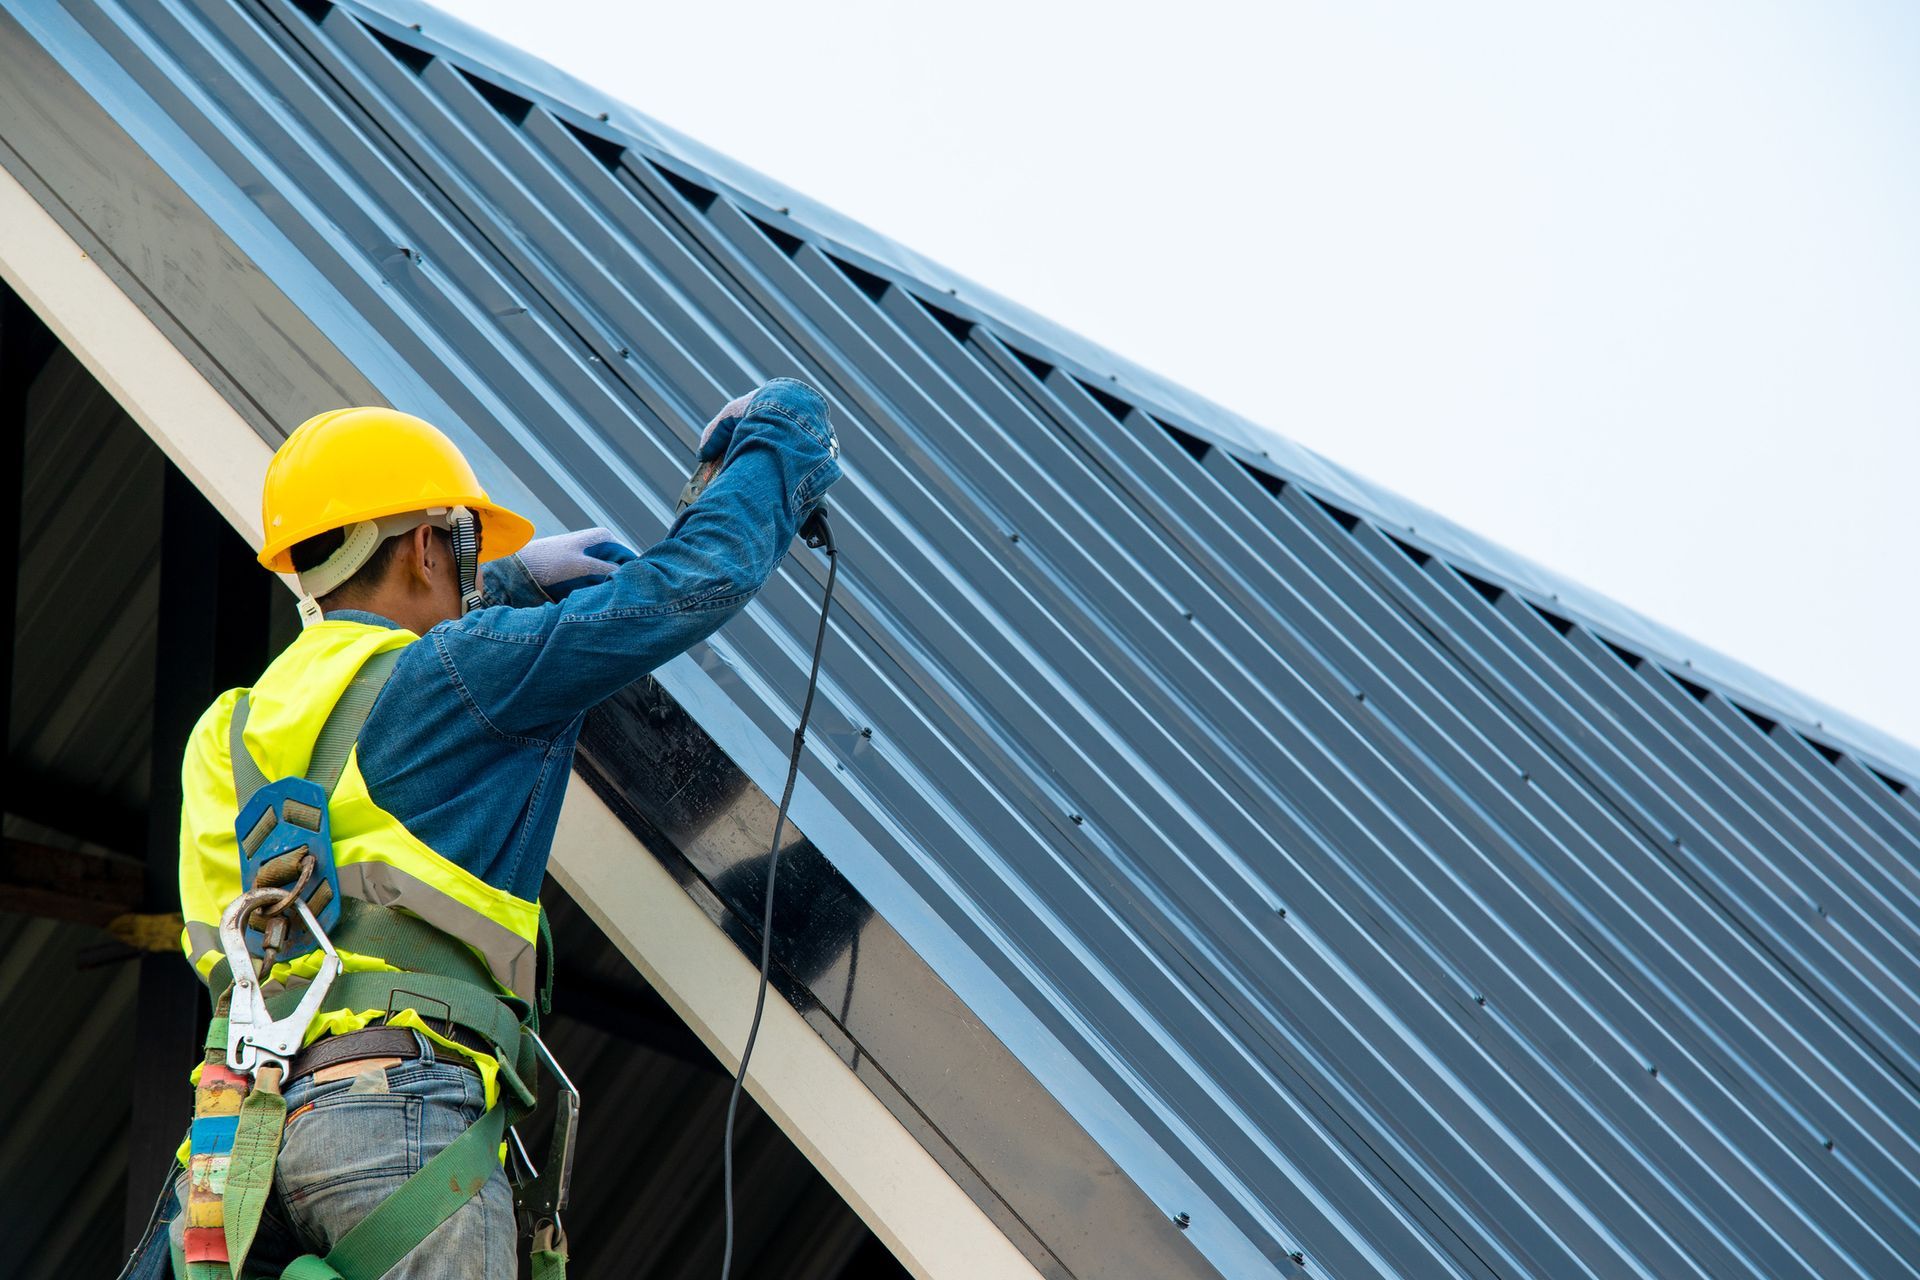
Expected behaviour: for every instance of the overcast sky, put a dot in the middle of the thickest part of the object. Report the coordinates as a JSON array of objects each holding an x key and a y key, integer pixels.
[{"x": 1632, "y": 288}]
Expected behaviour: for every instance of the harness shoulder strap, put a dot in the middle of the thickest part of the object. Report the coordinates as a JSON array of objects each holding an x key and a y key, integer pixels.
[
  {"x": 247, "y": 777},
  {"x": 344, "y": 722},
  {"x": 336, "y": 738}
]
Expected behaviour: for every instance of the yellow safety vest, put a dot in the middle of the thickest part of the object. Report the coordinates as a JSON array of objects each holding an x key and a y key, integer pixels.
[{"x": 379, "y": 860}]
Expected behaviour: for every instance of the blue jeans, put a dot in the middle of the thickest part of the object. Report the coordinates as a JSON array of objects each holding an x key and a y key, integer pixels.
[{"x": 350, "y": 1143}]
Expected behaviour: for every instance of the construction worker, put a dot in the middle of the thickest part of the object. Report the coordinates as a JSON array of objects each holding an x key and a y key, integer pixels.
[{"x": 467, "y": 686}]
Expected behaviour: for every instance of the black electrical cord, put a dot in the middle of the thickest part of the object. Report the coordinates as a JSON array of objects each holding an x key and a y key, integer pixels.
[{"x": 817, "y": 533}]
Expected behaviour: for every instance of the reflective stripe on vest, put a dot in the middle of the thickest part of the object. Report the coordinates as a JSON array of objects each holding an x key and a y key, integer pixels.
[{"x": 380, "y": 861}]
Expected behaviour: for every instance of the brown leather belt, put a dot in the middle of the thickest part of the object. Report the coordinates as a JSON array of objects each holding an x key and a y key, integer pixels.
[{"x": 375, "y": 1042}]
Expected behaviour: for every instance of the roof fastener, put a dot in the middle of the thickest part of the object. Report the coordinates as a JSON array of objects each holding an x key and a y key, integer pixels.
[
  {"x": 1480, "y": 1000},
  {"x": 1077, "y": 819},
  {"x": 603, "y": 115},
  {"x": 1013, "y": 537},
  {"x": 1299, "y": 1259},
  {"x": 866, "y": 731},
  {"x": 1828, "y": 1144},
  {"x": 1187, "y": 614},
  {"x": 1654, "y": 1072},
  {"x": 1283, "y": 913},
  {"x": 1182, "y": 1221}
]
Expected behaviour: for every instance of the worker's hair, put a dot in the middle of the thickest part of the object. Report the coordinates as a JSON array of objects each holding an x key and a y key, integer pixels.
[{"x": 313, "y": 552}]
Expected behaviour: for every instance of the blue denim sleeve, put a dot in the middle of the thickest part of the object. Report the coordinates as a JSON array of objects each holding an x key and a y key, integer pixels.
[{"x": 527, "y": 667}]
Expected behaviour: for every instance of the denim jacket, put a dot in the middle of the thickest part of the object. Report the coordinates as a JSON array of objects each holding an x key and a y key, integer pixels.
[{"x": 470, "y": 744}]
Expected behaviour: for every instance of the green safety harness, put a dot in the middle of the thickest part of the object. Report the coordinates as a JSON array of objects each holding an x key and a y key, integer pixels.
[{"x": 240, "y": 1115}]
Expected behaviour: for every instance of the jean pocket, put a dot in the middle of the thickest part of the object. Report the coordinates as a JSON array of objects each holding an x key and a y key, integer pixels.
[{"x": 346, "y": 1137}]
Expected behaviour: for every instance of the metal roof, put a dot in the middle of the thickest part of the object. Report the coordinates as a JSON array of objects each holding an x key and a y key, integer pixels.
[{"x": 1364, "y": 894}]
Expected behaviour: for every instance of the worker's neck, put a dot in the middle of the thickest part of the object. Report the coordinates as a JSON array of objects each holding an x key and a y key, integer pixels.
[{"x": 418, "y": 612}]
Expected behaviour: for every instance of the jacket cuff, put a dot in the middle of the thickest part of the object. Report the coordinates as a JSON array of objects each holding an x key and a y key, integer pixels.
[{"x": 506, "y": 581}]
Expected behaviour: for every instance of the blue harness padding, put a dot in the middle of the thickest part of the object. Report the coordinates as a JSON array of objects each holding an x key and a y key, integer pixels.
[
  {"x": 283, "y": 821},
  {"x": 278, "y": 827}
]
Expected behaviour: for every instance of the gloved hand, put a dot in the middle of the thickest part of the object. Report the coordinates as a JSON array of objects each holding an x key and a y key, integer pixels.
[
  {"x": 719, "y": 432},
  {"x": 567, "y": 562}
]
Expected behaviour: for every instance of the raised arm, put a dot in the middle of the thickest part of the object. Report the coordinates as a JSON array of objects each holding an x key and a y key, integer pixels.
[{"x": 529, "y": 666}]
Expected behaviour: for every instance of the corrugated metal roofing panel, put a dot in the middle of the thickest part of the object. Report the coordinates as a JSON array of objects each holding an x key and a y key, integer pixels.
[{"x": 1379, "y": 907}]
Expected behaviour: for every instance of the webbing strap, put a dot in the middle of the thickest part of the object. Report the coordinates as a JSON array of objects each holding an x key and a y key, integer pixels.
[
  {"x": 247, "y": 777},
  {"x": 256, "y": 1147},
  {"x": 407, "y": 1217},
  {"x": 336, "y": 738},
  {"x": 406, "y": 942},
  {"x": 549, "y": 1264},
  {"x": 434, "y": 998},
  {"x": 342, "y": 728}
]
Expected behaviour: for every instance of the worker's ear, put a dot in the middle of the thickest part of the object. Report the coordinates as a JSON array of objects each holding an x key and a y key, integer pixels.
[{"x": 426, "y": 558}]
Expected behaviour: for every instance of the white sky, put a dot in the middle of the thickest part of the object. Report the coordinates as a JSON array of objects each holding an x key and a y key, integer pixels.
[{"x": 1632, "y": 288}]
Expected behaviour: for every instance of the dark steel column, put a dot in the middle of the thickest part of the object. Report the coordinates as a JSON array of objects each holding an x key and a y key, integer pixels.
[
  {"x": 25, "y": 344},
  {"x": 212, "y": 636}
]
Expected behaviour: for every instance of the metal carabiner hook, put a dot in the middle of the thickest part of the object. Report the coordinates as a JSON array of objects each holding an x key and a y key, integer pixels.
[{"x": 253, "y": 1034}]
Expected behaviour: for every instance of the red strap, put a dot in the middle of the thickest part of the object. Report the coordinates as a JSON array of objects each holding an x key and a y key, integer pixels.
[{"x": 205, "y": 1244}]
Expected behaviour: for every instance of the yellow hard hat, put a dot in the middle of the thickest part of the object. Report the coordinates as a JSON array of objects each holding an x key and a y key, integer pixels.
[{"x": 347, "y": 465}]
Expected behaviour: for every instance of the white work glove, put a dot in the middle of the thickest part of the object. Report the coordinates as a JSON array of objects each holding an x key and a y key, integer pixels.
[
  {"x": 714, "y": 440},
  {"x": 567, "y": 562}
]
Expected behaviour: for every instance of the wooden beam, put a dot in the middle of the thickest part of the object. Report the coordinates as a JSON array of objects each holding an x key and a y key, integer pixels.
[{"x": 66, "y": 884}]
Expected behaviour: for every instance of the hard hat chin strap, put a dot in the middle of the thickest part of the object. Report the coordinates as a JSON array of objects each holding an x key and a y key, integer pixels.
[{"x": 464, "y": 528}]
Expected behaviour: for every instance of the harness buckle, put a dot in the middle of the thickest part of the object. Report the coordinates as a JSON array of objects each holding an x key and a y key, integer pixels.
[{"x": 254, "y": 1036}]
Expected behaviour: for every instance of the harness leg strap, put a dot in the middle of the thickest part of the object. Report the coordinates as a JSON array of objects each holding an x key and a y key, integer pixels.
[{"x": 407, "y": 1217}]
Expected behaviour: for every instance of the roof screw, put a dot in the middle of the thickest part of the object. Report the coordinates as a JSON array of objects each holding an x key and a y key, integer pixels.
[
  {"x": 1182, "y": 1221},
  {"x": 1654, "y": 1072},
  {"x": 1480, "y": 1000},
  {"x": 1077, "y": 819},
  {"x": 1014, "y": 537},
  {"x": 416, "y": 26},
  {"x": 1676, "y": 842},
  {"x": 1188, "y": 615},
  {"x": 1299, "y": 1258},
  {"x": 1828, "y": 1144},
  {"x": 1283, "y": 913},
  {"x": 784, "y": 209},
  {"x": 603, "y": 115},
  {"x": 1525, "y": 776},
  {"x": 1820, "y": 908},
  {"x": 866, "y": 731},
  {"x": 626, "y": 352},
  {"x": 1360, "y": 694}
]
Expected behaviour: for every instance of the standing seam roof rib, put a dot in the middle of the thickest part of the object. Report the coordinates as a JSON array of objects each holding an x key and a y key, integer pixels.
[{"x": 1425, "y": 929}]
